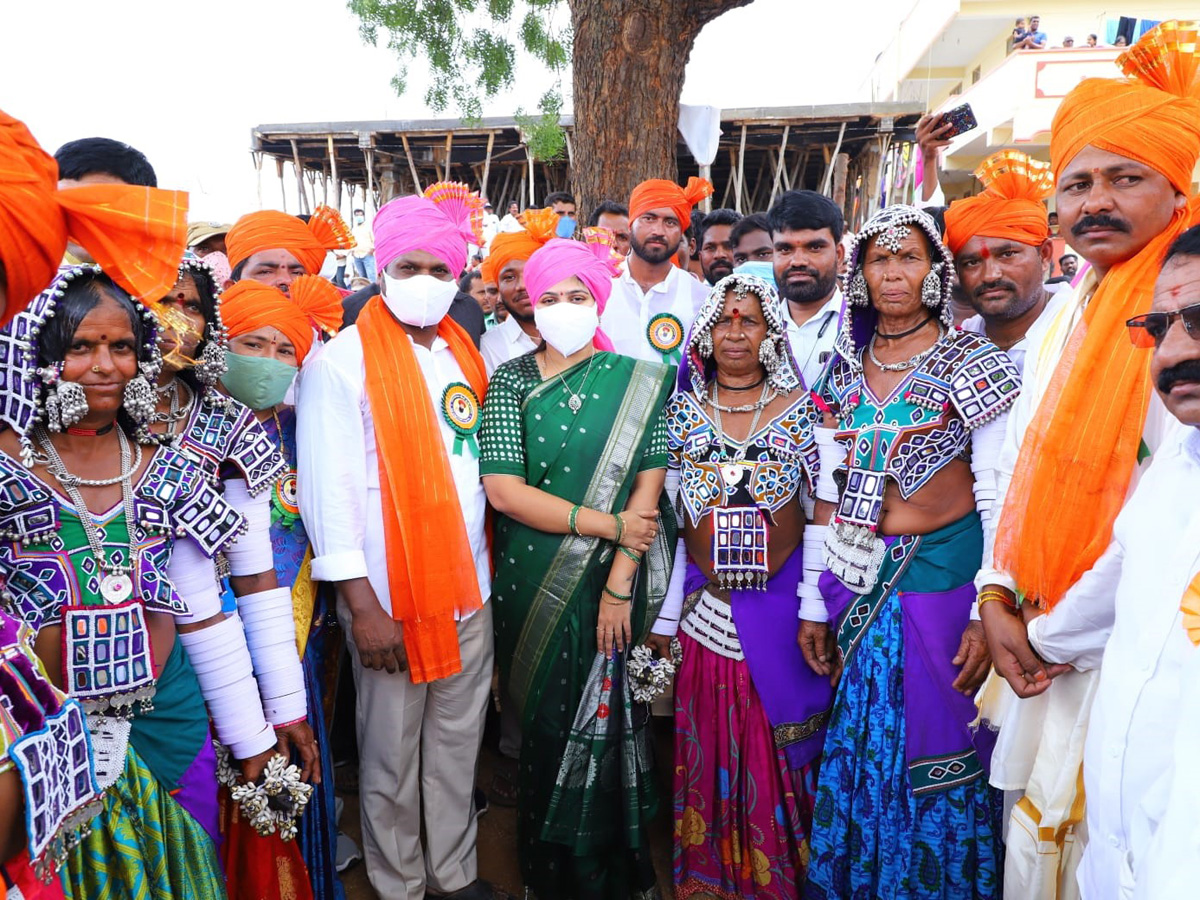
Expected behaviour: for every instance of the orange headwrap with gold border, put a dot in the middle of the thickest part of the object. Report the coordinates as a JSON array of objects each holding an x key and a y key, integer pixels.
[
  {"x": 136, "y": 234},
  {"x": 270, "y": 229},
  {"x": 1080, "y": 451},
  {"x": 1011, "y": 205},
  {"x": 539, "y": 227},
  {"x": 312, "y": 303}
]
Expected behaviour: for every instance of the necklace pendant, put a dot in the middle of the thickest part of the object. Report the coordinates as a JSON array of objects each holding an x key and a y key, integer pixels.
[
  {"x": 575, "y": 403},
  {"x": 116, "y": 587}
]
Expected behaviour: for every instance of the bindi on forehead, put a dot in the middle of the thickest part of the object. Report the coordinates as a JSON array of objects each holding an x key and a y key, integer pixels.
[{"x": 985, "y": 253}]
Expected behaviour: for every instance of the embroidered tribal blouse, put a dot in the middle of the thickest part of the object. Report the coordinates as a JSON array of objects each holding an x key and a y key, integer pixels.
[
  {"x": 780, "y": 458},
  {"x": 46, "y": 572},
  {"x": 227, "y": 439},
  {"x": 925, "y": 423},
  {"x": 44, "y": 737}
]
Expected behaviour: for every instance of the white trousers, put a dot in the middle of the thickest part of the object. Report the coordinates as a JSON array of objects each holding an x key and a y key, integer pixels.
[{"x": 418, "y": 748}]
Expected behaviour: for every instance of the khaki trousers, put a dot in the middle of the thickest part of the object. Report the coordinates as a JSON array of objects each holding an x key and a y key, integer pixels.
[{"x": 418, "y": 748}]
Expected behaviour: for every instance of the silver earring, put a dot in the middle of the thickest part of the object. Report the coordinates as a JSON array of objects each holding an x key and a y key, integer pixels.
[
  {"x": 705, "y": 345},
  {"x": 65, "y": 405},
  {"x": 139, "y": 399},
  {"x": 211, "y": 365},
  {"x": 931, "y": 287},
  {"x": 856, "y": 293},
  {"x": 769, "y": 355}
]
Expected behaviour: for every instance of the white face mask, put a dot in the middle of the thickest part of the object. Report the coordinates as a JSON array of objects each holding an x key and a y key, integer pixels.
[
  {"x": 567, "y": 327},
  {"x": 420, "y": 301}
]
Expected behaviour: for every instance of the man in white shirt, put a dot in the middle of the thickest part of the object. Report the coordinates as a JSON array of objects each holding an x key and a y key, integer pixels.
[
  {"x": 1122, "y": 203},
  {"x": 654, "y": 301},
  {"x": 390, "y": 493},
  {"x": 806, "y": 236},
  {"x": 364, "y": 246},
  {"x": 1001, "y": 243},
  {"x": 491, "y": 223},
  {"x": 1134, "y": 593},
  {"x": 504, "y": 267}
]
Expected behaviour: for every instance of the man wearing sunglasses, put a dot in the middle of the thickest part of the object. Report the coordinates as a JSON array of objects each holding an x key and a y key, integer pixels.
[
  {"x": 1085, "y": 427},
  {"x": 1137, "y": 611}
]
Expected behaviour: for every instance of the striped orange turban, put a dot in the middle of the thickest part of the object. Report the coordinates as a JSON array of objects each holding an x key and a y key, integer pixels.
[
  {"x": 1010, "y": 206},
  {"x": 270, "y": 229},
  {"x": 312, "y": 304},
  {"x": 1152, "y": 116},
  {"x": 1080, "y": 451},
  {"x": 136, "y": 234},
  {"x": 658, "y": 193},
  {"x": 539, "y": 227}
]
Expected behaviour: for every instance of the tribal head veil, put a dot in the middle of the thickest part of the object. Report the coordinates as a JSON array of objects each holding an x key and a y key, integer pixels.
[
  {"x": 31, "y": 391},
  {"x": 775, "y": 353},
  {"x": 891, "y": 225},
  {"x": 204, "y": 372}
]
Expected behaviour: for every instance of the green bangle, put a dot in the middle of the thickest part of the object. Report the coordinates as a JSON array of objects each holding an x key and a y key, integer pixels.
[
  {"x": 624, "y": 598},
  {"x": 571, "y": 519},
  {"x": 634, "y": 556},
  {"x": 620, "y": 528}
]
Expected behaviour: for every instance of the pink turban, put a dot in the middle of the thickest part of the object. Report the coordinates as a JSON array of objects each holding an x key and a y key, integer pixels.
[
  {"x": 559, "y": 259},
  {"x": 441, "y": 222}
]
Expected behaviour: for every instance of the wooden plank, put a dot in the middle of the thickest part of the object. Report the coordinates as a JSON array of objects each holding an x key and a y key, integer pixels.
[
  {"x": 279, "y": 172},
  {"x": 487, "y": 167},
  {"x": 412, "y": 166},
  {"x": 304, "y": 205},
  {"x": 829, "y": 162},
  {"x": 779, "y": 163},
  {"x": 337, "y": 182},
  {"x": 741, "y": 173},
  {"x": 449, "y": 144}
]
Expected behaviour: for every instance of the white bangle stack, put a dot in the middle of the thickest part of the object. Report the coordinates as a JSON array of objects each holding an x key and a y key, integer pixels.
[
  {"x": 812, "y": 604},
  {"x": 221, "y": 660},
  {"x": 271, "y": 637},
  {"x": 832, "y": 457}
]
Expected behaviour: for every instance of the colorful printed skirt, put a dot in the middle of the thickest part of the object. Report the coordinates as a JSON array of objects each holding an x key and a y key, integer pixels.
[
  {"x": 872, "y": 836},
  {"x": 742, "y": 815},
  {"x": 143, "y": 846}
]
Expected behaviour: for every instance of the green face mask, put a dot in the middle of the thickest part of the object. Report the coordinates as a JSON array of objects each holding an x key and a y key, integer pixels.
[{"x": 258, "y": 381}]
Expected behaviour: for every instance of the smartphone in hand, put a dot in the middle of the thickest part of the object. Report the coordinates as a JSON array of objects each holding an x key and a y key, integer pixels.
[{"x": 960, "y": 119}]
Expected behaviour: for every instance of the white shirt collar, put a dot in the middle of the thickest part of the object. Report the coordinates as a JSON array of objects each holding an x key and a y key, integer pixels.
[
  {"x": 832, "y": 305},
  {"x": 665, "y": 285}
]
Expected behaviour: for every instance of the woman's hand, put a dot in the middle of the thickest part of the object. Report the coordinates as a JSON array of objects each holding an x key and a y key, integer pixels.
[
  {"x": 641, "y": 527},
  {"x": 818, "y": 645},
  {"x": 613, "y": 627},
  {"x": 299, "y": 737},
  {"x": 660, "y": 644}
]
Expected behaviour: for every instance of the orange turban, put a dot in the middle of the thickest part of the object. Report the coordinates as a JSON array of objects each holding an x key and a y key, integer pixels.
[
  {"x": 1153, "y": 116},
  {"x": 540, "y": 225},
  {"x": 658, "y": 193},
  {"x": 136, "y": 234},
  {"x": 1010, "y": 206},
  {"x": 313, "y": 303},
  {"x": 270, "y": 229},
  {"x": 1080, "y": 451}
]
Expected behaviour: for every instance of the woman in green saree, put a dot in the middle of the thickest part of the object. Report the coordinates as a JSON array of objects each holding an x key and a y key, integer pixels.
[{"x": 574, "y": 457}]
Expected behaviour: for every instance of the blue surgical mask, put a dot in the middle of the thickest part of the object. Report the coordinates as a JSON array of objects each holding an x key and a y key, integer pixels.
[
  {"x": 760, "y": 268},
  {"x": 260, "y": 382},
  {"x": 565, "y": 227}
]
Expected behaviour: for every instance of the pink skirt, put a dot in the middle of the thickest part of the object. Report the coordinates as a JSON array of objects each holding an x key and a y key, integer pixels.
[{"x": 742, "y": 817}]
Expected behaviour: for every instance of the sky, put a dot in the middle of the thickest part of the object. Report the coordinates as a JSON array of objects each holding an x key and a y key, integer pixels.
[{"x": 186, "y": 82}]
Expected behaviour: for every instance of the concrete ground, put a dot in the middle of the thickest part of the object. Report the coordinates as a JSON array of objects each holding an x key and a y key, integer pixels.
[{"x": 497, "y": 846}]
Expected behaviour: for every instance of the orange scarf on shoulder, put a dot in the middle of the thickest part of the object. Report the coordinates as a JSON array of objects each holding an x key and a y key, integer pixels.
[{"x": 431, "y": 570}]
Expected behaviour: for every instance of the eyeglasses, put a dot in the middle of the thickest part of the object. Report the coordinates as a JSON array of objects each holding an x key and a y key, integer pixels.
[{"x": 1148, "y": 330}]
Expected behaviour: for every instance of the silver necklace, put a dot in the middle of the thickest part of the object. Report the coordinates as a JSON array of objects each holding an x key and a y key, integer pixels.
[
  {"x": 739, "y": 453},
  {"x": 761, "y": 403},
  {"x": 177, "y": 410},
  {"x": 575, "y": 402},
  {"x": 116, "y": 586},
  {"x": 910, "y": 363},
  {"x": 54, "y": 464}
]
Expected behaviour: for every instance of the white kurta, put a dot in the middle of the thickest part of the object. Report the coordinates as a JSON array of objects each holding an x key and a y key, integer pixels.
[
  {"x": 1133, "y": 594},
  {"x": 1039, "y": 748},
  {"x": 629, "y": 310},
  {"x": 504, "y": 342},
  {"x": 812, "y": 342},
  {"x": 337, "y": 469}
]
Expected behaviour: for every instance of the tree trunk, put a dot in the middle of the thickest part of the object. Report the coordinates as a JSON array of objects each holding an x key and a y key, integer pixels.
[{"x": 628, "y": 63}]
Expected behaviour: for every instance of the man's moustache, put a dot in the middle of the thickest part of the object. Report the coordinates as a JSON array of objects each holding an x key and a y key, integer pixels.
[
  {"x": 991, "y": 286},
  {"x": 1188, "y": 370},
  {"x": 1101, "y": 221}
]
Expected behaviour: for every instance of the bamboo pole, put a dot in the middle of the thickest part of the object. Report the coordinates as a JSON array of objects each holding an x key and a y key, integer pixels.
[
  {"x": 487, "y": 166},
  {"x": 412, "y": 166},
  {"x": 779, "y": 164}
]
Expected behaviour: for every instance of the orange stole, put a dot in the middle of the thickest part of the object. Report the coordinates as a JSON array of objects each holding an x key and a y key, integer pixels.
[{"x": 431, "y": 570}]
